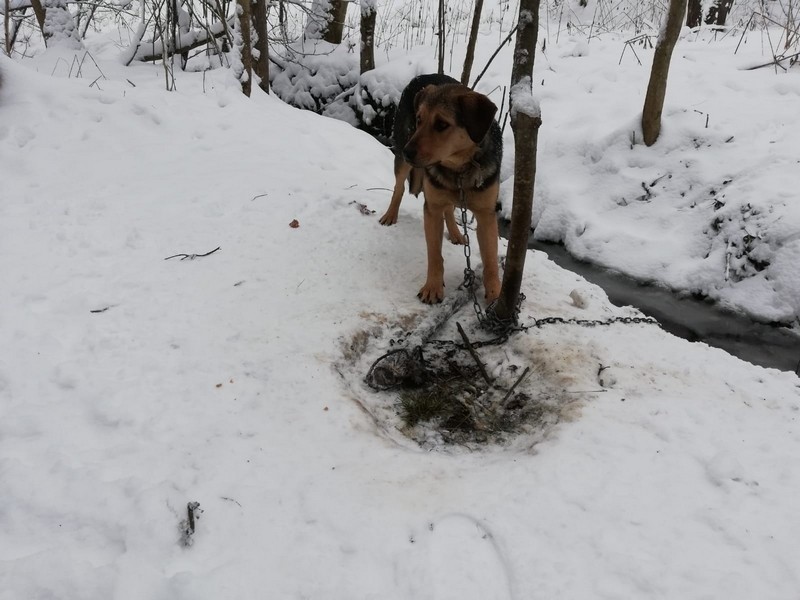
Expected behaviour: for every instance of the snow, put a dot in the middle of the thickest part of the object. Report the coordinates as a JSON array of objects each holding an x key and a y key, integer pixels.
[
  {"x": 666, "y": 469},
  {"x": 523, "y": 101}
]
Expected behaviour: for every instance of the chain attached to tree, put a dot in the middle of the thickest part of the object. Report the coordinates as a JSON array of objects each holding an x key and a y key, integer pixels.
[{"x": 488, "y": 320}]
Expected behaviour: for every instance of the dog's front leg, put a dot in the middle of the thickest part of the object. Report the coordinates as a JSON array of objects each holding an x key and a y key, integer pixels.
[
  {"x": 433, "y": 218},
  {"x": 401, "y": 172}
]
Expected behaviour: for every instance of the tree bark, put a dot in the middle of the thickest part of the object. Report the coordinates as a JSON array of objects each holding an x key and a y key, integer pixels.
[
  {"x": 38, "y": 11},
  {"x": 261, "y": 64},
  {"x": 718, "y": 12},
  {"x": 244, "y": 44},
  {"x": 525, "y": 122},
  {"x": 326, "y": 21},
  {"x": 335, "y": 30},
  {"x": 657, "y": 87},
  {"x": 694, "y": 13},
  {"x": 473, "y": 38},
  {"x": 7, "y": 28},
  {"x": 441, "y": 43},
  {"x": 368, "y": 15}
]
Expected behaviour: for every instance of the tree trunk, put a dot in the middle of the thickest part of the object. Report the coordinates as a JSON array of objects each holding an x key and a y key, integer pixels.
[
  {"x": 261, "y": 65},
  {"x": 38, "y": 11},
  {"x": 368, "y": 15},
  {"x": 244, "y": 45},
  {"x": 525, "y": 122},
  {"x": 694, "y": 14},
  {"x": 335, "y": 30},
  {"x": 473, "y": 38},
  {"x": 7, "y": 28},
  {"x": 326, "y": 21},
  {"x": 718, "y": 12},
  {"x": 657, "y": 87},
  {"x": 441, "y": 44},
  {"x": 58, "y": 26}
]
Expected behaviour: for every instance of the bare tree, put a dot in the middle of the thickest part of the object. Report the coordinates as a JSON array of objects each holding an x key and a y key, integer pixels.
[
  {"x": 694, "y": 13},
  {"x": 326, "y": 21},
  {"x": 261, "y": 46},
  {"x": 473, "y": 38},
  {"x": 7, "y": 27},
  {"x": 657, "y": 87},
  {"x": 368, "y": 14},
  {"x": 244, "y": 46},
  {"x": 717, "y": 13},
  {"x": 441, "y": 34},
  {"x": 525, "y": 122},
  {"x": 56, "y": 23}
]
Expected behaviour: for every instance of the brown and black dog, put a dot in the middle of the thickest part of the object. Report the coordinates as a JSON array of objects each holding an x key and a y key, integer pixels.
[{"x": 446, "y": 139}]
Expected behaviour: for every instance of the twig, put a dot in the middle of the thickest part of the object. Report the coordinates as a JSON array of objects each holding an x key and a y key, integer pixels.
[
  {"x": 513, "y": 387},
  {"x": 776, "y": 61},
  {"x": 190, "y": 508},
  {"x": 192, "y": 256},
  {"x": 474, "y": 354},
  {"x": 187, "y": 526},
  {"x": 496, "y": 52}
]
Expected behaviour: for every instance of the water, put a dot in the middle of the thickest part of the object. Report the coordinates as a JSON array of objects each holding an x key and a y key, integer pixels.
[{"x": 690, "y": 318}]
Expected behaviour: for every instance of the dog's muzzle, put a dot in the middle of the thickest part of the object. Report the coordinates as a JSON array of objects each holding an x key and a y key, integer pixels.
[{"x": 409, "y": 154}]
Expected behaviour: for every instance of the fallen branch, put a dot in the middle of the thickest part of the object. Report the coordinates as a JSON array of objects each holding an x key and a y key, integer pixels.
[
  {"x": 775, "y": 61},
  {"x": 474, "y": 354},
  {"x": 504, "y": 401},
  {"x": 192, "y": 256},
  {"x": 189, "y": 41}
]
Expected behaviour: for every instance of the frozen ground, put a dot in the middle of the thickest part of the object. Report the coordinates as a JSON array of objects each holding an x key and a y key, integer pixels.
[{"x": 665, "y": 470}]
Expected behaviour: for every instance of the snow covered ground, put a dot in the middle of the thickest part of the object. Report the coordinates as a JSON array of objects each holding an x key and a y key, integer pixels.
[{"x": 131, "y": 385}]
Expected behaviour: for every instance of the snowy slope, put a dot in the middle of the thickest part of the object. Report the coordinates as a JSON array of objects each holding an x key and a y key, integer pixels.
[{"x": 227, "y": 380}]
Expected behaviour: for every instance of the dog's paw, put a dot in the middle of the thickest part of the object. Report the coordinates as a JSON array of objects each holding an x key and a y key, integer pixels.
[
  {"x": 431, "y": 293},
  {"x": 458, "y": 239},
  {"x": 389, "y": 218}
]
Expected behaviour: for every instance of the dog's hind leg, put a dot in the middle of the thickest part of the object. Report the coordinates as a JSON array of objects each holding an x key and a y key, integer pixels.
[
  {"x": 401, "y": 172},
  {"x": 487, "y": 241},
  {"x": 453, "y": 230}
]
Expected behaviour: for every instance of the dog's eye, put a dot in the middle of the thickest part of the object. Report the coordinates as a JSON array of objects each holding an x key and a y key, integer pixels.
[{"x": 440, "y": 125}]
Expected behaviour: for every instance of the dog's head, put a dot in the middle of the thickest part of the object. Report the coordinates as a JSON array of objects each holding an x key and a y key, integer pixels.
[{"x": 451, "y": 121}]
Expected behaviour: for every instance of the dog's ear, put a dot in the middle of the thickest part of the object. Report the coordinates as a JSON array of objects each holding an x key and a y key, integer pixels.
[
  {"x": 476, "y": 114},
  {"x": 420, "y": 97}
]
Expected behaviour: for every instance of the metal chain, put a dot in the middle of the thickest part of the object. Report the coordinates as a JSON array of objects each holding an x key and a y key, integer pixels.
[
  {"x": 489, "y": 320},
  {"x": 469, "y": 273},
  {"x": 592, "y": 322}
]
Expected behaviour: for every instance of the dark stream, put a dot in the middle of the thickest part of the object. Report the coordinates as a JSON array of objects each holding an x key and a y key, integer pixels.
[{"x": 690, "y": 318}]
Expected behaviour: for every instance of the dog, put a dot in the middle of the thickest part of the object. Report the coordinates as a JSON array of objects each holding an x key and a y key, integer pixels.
[{"x": 446, "y": 142}]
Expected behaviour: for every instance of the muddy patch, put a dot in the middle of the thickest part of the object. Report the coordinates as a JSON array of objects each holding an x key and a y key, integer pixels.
[{"x": 419, "y": 381}]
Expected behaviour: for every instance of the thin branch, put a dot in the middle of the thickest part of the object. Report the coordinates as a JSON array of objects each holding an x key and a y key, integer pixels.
[
  {"x": 474, "y": 354},
  {"x": 496, "y": 52},
  {"x": 192, "y": 256},
  {"x": 513, "y": 387}
]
